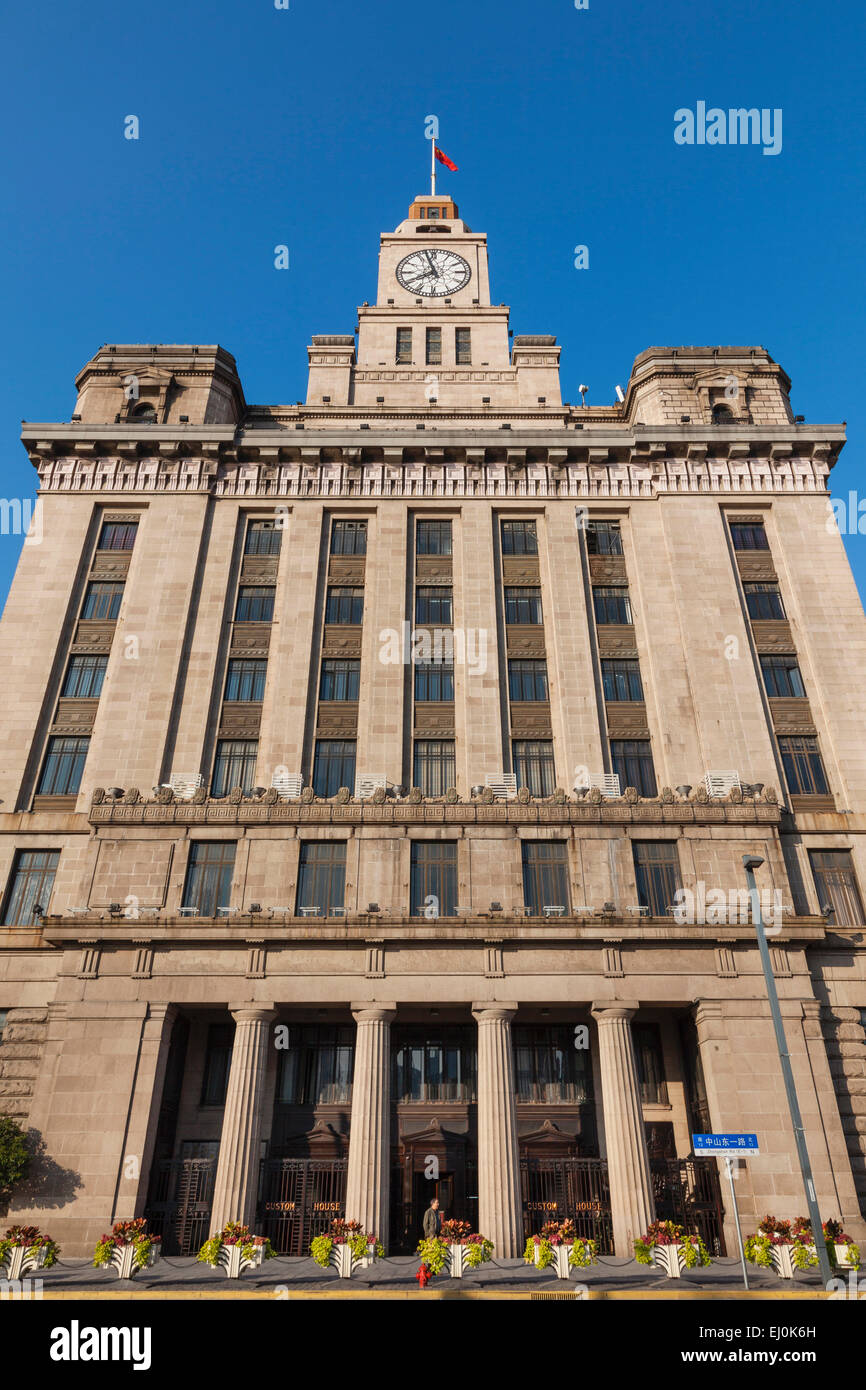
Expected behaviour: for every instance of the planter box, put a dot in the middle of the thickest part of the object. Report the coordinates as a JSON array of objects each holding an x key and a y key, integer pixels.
[
  {"x": 783, "y": 1261},
  {"x": 122, "y": 1258},
  {"x": 560, "y": 1266},
  {"x": 669, "y": 1258},
  {"x": 345, "y": 1263},
  {"x": 19, "y": 1261},
  {"x": 844, "y": 1259},
  {"x": 231, "y": 1259}
]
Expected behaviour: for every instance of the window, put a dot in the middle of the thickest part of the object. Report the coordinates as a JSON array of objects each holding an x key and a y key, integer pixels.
[
  {"x": 782, "y": 676},
  {"x": 547, "y": 1065},
  {"x": 255, "y": 604},
  {"x": 434, "y": 538},
  {"x": 527, "y": 680},
  {"x": 433, "y": 605},
  {"x": 322, "y": 875},
  {"x": 532, "y": 760},
  {"x": 349, "y": 538},
  {"x": 433, "y": 347},
  {"x": 837, "y": 886},
  {"x": 84, "y": 677},
  {"x": 545, "y": 875},
  {"x": 603, "y": 538},
  {"x": 117, "y": 535},
  {"x": 404, "y": 346},
  {"x": 316, "y": 1067},
  {"x": 463, "y": 347},
  {"x": 804, "y": 769},
  {"x": 341, "y": 679},
  {"x": 612, "y": 604},
  {"x": 434, "y": 681},
  {"x": 144, "y": 414},
  {"x": 344, "y": 606},
  {"x": 749, "y": 535},
  {"x": 433, "y": 1064},
  {"x": 263, "y": 538},
  {"x": 333, "y": 766},
  {"x": 30, "y": 886},
  {"x": 434, "y": 876},
  {"x": 102, "y": 600},
  {"x": 621, "y": 680},
  {"x": 234, "y": 765},
  {"x": 519, "y": 538},
  {"x": 522, "y": 605},
  {"x": 657, "y": 870},
  {"x": 633, "y": 763},
  {"x": 63, "y": 766},
  {"x": 217, "y": 1063},
  {"x": 434, "y": 769},
  {"x": 209, "y": 876},
  {"x": 764, "y": 601},
  {"x": 649, "y": 1060},
  {"x": 246, "y": 679},
  {"x": 722, "y": 415}
]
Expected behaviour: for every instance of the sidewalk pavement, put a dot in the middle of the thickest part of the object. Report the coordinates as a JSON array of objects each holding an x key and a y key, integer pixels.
[{"x": 176, "y": 1274}]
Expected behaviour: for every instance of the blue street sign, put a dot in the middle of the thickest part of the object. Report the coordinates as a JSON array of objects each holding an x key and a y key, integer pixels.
[{"x": 740, "y": 1144}]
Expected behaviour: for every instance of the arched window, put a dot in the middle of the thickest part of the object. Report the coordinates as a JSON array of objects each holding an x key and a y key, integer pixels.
[
  {"x": 722, "y": 415},
  {"x": 144, "y": 414}
]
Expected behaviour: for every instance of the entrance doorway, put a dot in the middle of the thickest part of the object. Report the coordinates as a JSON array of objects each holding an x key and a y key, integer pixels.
[{"x": 433, "y": 1162}]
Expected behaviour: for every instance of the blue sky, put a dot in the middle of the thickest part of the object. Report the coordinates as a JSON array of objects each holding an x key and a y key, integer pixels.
[{"x": 305, "y": 126}]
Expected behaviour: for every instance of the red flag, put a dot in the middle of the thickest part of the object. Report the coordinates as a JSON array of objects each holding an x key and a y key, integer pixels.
[{"x": 443, "y": 159}]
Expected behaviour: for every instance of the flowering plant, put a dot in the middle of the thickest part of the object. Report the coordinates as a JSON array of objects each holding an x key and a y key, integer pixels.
[
  {"x": 233, "y": 1233},
  {"x": 126, "y": 1233},
  {"x": 344, "y": 1232},
  {"x": 758, "y": 1248},
  {"x": 456, "y": 1232},
  {"x": 477, "y": 1249},
  {"x": 32, "y": 1239},
  {"x": 539, "y": 1249},
  {"x": 694, "y": 1252}
]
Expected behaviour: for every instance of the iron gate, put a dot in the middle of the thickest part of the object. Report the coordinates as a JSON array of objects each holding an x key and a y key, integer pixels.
[
  {"x": 553, "y": 1189},
  {"x": 687, "y": 1191},
  {"x": 179, "y": 1203},
  {"x": 298, "y": 1199}
]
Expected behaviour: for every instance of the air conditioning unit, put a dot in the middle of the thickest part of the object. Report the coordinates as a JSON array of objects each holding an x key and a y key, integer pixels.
[
  {"x": 288, "y": 784},
  {"x": 183, "y": 784},
  {"x": 607, "y": 783},
  {"x": 720, "y": 783},
  {"x": 503, "y": 785},
  {"x": 366, "y": 783}
]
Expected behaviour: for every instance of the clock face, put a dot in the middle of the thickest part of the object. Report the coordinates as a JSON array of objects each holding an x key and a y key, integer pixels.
[{"x": 434, "y": 272}]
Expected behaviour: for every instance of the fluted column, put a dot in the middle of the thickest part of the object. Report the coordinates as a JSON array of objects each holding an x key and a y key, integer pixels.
[
  {"x": 367, "y": 1182},
  {"x": 234, "y": 1197},
  {"x": 628, "y": 1167},
  {"x": 500, "y": 1215}
]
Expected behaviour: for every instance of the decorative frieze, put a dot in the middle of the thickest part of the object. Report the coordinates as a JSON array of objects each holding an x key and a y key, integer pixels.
[
  {"x": 592, "y": 809},
  {"x": 605, "y": 461}
]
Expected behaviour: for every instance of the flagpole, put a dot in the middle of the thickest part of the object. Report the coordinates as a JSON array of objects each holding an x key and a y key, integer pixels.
[{"x": 432, "y": 168}]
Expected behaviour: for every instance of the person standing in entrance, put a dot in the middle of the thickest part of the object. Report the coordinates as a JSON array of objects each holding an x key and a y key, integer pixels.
[{"x": 432, "y": 1220}]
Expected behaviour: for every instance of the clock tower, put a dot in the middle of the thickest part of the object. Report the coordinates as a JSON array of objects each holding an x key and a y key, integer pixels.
[{"x": 433, "y": 341}]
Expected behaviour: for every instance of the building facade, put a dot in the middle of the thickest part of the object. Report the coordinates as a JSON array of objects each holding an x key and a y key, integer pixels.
[{"x": 377, "y": 773}]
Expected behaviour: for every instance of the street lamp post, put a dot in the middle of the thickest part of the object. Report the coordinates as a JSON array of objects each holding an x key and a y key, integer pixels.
[{"x": 750, "y": 863}]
